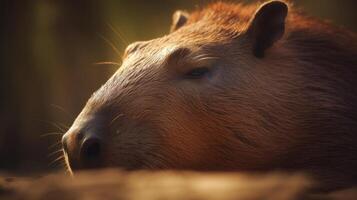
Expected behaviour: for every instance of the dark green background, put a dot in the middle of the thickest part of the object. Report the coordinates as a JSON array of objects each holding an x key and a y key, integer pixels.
[{"x": 48, "y": 50}]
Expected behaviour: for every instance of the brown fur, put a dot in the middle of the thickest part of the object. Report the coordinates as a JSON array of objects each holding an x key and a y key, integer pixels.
[{"x": 294, "y": 109}]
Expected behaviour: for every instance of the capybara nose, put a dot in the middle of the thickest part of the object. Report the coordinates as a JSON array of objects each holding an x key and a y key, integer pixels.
[
  {"x": 82, "y": 149},
  {"x": 90, "y": 152}
]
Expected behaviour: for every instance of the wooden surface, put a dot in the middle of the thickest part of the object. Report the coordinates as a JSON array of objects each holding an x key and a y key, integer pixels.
[{"x": 113, "y": 184}]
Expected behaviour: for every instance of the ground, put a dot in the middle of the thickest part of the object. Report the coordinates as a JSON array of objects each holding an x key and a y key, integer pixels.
[{"x": 115, "y": 184}]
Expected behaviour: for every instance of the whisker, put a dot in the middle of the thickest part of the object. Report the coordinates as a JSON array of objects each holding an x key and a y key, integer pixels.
[
  {"x": 63, "y": 125},
  {"x": 56, "y": 160},
  {"x": 49, "y": 134},
  {"x": 62, "y": 110},
  {"x": 115, "y": 118},
  {"x": 54, "y": 153},
  {"x": 52, "y": 123},
  {"x": 206, "y": 58},
  {"x": 55, "y": 144},
  {"x": 58, "y": 165},
  {"x": 116, "y": 50},
  {"x": 120, "y": 35},
  {"x": 107, "y": 63}
]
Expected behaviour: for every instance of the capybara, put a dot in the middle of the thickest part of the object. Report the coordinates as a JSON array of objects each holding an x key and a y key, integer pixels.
[{"x": 232, "y": 87}]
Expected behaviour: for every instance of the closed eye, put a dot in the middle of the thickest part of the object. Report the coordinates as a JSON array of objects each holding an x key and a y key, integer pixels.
[{"x": 197, "y": 73}]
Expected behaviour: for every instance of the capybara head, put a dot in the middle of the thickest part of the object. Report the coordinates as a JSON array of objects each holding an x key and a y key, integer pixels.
[{"x": 232, "y": 87}]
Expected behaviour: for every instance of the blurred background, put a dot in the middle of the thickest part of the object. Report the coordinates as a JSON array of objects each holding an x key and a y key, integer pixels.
[{"x": 50, "y": 55}]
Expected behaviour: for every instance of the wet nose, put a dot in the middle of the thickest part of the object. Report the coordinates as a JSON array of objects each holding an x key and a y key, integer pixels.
[{"x": 83, "y": 150}]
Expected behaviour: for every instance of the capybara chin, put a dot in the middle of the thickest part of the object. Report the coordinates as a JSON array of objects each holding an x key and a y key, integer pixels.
[{"x": 234, "y": 88}]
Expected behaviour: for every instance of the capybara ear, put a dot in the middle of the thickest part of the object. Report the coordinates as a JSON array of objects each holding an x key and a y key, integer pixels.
[
  {"x": 179, "y": 18},
  {"x": 267, "y": 26}
]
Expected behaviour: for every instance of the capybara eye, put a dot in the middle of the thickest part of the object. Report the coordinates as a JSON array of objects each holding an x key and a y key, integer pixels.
[{"x": 197, "y": 73}]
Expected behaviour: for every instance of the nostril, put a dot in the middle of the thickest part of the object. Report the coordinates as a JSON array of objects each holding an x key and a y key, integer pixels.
[{"x": 91, "y": 149}]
